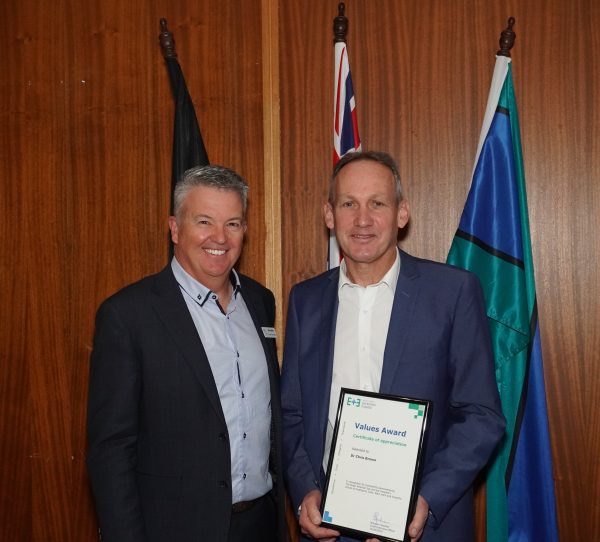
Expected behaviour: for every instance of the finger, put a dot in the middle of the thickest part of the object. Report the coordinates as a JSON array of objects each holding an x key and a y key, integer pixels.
[
  {"x": 415, "y": 529},
  {"x": 314, "y": 515}
]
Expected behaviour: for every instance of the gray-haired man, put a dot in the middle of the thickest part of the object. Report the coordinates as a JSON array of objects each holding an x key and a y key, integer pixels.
[{"x": 184, "y": 421}]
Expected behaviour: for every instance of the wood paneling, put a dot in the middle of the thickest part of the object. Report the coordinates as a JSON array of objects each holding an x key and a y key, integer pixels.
[
  {"x": 85, "y": 158},
  {"x": 85, "y": 144}
]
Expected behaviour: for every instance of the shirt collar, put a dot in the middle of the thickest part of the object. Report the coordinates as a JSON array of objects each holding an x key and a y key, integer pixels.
[
  {"x": 390, "y": 279},
  {"x": 196, "y": 289}
]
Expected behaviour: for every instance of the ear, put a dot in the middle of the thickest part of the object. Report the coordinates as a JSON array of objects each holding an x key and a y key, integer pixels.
[
  {"x": 403, "y": 213},
  {"x": 328, "y": 216},
  {"x": 174, "y": 230}
]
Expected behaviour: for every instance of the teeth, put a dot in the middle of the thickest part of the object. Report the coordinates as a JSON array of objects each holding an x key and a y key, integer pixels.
[{"x": 215, "y": 252}]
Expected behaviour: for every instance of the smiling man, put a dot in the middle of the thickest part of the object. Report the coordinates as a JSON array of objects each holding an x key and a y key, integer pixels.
[
  {"x": 387, "y": 322},
  {"x": 184, "y": 419}
]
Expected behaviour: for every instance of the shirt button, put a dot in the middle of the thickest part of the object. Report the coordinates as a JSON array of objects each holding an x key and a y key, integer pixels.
[
  {"x": 244, "y": 476},
  {"x": 222, "y": 437},
  {"x": 244, "y": 435},
  {"x": 223, "y": 484}
]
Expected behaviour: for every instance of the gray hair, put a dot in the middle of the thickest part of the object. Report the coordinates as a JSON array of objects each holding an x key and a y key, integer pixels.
[
  {"x": 379, "y": 157},
  {"x": 212, "y": 176}
]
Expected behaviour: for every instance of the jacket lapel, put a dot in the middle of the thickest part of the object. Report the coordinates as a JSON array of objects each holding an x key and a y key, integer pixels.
[
  {"x": 406, "y": 295},
  {"x": 328, "y": 317},
  {"x": 174, "y": 314}
]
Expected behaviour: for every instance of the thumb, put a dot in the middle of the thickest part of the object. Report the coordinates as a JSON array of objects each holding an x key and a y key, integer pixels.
[{"x": 314, "y": 515}]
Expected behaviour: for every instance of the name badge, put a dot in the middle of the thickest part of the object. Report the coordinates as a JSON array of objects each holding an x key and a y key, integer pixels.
[{"x": 269, "y": 332}]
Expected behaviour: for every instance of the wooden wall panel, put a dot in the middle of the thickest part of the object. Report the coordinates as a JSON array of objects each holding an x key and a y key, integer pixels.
[
  {"x": 85, "y": 159},
  {"x": 421, "y": 73}
]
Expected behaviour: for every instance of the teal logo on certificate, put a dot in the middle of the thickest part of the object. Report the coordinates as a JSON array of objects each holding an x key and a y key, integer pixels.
[
  {"x": 420, "y": 409},
  {"x": 351, "y": 401},
  {"x": 373, "y": 467}
]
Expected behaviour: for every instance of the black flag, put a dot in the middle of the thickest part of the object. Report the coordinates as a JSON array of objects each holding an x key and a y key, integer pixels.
[{"x": 188, "y": 147}]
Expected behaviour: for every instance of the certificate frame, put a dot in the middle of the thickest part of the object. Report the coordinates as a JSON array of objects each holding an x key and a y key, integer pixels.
[{"x": 374, "y": 464}]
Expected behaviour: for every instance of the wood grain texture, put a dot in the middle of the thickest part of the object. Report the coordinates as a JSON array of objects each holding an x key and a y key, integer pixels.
[
  {"x": 272, "y": 153},
  {"x": 421, "y": 74},
  {"x": 85, "y": 161}
]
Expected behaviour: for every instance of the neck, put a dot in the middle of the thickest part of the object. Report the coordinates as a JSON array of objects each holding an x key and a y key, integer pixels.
[{"x": 365, "y": 274}]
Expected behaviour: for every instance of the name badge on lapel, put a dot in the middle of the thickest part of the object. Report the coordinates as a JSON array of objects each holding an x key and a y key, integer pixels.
[{"x": 269, "y": 332}]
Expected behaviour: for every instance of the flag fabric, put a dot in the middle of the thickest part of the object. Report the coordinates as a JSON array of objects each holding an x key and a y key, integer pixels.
[
  {"x": 188, "y": 146},
  {"x": 493, "y": 241},
  {"x": 345, "y": 125}
]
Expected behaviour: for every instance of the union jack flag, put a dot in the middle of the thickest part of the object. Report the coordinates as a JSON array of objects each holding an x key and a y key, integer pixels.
[
  {"x": 345, "y": 127},
  {"x": 345, "y": 122}
]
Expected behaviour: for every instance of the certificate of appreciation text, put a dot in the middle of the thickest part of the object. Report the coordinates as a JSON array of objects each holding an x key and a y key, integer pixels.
[{"x": 373, "y": 464}]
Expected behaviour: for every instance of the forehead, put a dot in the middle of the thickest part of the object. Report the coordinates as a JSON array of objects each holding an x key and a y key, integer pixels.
[
  {"x": 210, "y": 200},
  {"x": 365, "y": 175}
]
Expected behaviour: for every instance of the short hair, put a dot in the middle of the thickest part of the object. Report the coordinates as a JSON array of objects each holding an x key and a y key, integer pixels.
[
  {"x": 212, "y": 176},
  {"x": 379, "y": 157}
]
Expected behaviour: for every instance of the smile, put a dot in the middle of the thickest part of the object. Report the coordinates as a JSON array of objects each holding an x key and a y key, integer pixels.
[{"x": 215, "y": 252}]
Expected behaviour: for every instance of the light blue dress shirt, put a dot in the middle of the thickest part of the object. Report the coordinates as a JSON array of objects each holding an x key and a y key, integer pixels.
[{"x": 239, "y": 367}]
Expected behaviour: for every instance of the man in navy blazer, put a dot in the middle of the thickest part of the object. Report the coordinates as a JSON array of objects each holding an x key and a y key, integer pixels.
[
  {"x": 388, "y": 322},
  {"x": 184, "y": 418}
]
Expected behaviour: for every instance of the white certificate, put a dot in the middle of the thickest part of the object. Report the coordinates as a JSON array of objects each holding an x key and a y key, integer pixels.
[{"x": 374, "y": 463}]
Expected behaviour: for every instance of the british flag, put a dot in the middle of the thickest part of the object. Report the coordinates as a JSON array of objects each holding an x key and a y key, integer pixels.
[
  {"x": 345, "y": 123},
  {"x": 345, "y": 126}
]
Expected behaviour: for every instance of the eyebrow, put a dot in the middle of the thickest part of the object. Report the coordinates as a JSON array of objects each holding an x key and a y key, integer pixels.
[
  {"x": 378, "y": 195},
  {"x": 203, "y": 215}
]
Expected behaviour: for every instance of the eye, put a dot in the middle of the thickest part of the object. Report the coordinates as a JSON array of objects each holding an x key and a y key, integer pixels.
[
  {"x": 234, "y": 225},
  {"x": 347, "y": 204},
  {"x": 203, "y": 222},
  {"x": 378, "y": 204}
]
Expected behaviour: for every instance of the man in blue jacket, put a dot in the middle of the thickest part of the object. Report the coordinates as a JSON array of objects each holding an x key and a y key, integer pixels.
[{"x": 388, "y": 322}]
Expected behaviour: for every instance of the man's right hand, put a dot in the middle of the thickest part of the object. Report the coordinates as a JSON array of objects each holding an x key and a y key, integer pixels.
[{"x": 310, "y": 518}]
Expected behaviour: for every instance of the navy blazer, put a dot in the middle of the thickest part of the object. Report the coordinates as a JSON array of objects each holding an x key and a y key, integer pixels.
[
  {"x": 159, "y": 457},
  {"x": 437, "y": 348}
]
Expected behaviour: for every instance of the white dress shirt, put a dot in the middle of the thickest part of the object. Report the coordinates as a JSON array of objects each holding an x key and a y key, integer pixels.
[{"x": 361, "y": 330}]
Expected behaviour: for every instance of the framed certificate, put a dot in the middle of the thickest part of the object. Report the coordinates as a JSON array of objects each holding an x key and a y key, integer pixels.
[{"x": 373, "y": 466}]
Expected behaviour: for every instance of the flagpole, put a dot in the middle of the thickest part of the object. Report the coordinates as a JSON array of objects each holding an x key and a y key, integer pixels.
[
  {"x": 340, "y": 24},
  {"x": 166, "y": 40},
  {"x": 507, "y": 39}
]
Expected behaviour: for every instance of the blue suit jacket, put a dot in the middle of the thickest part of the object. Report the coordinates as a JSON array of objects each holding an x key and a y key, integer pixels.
[{"x": 438, "y": 348}]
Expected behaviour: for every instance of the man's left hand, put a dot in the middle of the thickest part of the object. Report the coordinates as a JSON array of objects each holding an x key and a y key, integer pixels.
[{"x": 415, "y": 529}]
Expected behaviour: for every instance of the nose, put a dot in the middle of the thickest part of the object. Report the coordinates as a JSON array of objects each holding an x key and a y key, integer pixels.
[
  {"x": 363, "y": 217},
  {"x": 219, "y": 234}
]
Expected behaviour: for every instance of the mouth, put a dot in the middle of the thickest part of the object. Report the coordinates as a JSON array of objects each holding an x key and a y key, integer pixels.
[
  {"x": 214, "y": 251},
  {"x": 362, "y": 236}
]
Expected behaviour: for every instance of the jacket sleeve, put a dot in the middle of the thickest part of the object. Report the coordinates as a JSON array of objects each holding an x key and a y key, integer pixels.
[
  {"x": 113, "y": 404},
  {"x": 475, "y": 423}
]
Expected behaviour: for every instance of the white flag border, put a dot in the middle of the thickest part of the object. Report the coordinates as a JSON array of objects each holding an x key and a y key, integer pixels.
[{"x": 498, "y": 78}]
